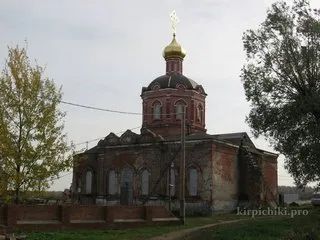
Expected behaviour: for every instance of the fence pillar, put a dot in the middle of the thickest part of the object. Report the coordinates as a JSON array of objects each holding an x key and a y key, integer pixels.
[
  {"x": 11, "y": 212},
  {"x": 109, "y": 214},
  {"x": 148, "y": 214},
  {"x": 65, "y": 215}
]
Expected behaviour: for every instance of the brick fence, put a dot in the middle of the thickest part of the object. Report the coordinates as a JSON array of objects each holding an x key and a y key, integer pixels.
[{"x": 69, "y": 217}]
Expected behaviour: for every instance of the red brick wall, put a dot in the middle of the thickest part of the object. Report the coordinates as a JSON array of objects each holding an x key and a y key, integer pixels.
[
  {"x": 90, "y": 212},
  {"x": 37, "y": 212},
  {"x": 160, "y": 212},
  {"x": 225, "y": 176},
  {"x": 271, "y": 179},
  {"x": 2, "y": 214},
  {"x": 225, "y": 158},
  {"x": 127, "y": 212},
  {"x": 39, "y": 217}
]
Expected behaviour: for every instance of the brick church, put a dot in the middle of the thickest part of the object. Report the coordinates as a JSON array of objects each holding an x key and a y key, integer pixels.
[{"x": 221, "y": 171}]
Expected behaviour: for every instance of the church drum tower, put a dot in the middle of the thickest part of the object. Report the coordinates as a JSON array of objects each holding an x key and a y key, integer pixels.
[{"x": 166, "y": 96}]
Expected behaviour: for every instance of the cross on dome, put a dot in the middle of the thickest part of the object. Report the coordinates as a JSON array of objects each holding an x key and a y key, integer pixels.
[{"x": 174, "y": 20}]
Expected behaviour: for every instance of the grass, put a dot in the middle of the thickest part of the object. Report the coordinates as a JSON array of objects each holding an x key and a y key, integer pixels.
[
  {"x": 284, "y": 228},
  {"x": 130, "y": 234}
]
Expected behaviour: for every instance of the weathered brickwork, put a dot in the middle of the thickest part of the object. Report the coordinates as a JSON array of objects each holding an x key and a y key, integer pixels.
[
  {"x": 2, "y": 214},
  {"x": 168, "y": 124},
  {"x": 224, "y": 190},
  {"x": 68, "y": 217},
  {"x": 41, "y": 212},
  {"x": 153, "y": 157},
  {"x": 257, "y": 177},
  {"x": 270, "y": 175},
  {"x": 217, "y": 163},
  {"x": 87, "y": 212},
  {"x": 220, "y": 170}
]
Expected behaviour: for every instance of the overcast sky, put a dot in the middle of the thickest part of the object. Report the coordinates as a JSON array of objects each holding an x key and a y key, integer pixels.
[{"x": 104, "y": 52}]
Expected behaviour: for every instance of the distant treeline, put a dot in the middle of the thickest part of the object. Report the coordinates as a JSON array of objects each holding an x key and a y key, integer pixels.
[
  {"x": 30, "y": 196},
  {"x": 305, "y": 194}
]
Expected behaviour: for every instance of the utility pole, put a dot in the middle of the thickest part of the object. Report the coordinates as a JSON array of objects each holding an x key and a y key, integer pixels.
[
  {"x": 182, "y": 169},
  {"x": 169, "y": 187}
]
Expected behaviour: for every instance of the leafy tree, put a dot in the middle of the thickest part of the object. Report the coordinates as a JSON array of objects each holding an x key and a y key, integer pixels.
[
  {"x": 281, "y": 78},
  {"x": 33, "y": 147}
]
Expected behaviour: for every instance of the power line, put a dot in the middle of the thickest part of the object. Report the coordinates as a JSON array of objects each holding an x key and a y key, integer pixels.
[
  {"x": 284, "y": 175},
  {"x": 99, "y": 109},
  {"x": 96, "y": 139},
  {"x": 115, "y": 111},
  {"x": 56, "y": 178},
  {"x": 112, "y": 111}
]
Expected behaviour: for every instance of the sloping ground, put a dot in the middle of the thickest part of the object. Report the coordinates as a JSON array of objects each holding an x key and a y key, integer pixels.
[
  {"x": 294, "y": 227},
  {"x": 182, "y": 234}
]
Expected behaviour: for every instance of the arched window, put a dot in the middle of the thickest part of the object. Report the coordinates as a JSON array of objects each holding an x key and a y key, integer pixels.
[
  {"x": 157, "y": 110},
  {"x": 145, "y": 182},
  {"x": 88, "y": 182},
  {"x": 199, "y": 113},
  {"x": 193, "y": 182},
  {"x": 79, "y": 185},
  {"x": 180, "y": 107},
  {"x": 171, "y": 182},
  {"x": 112, "y": 185},
  {"x": 126, "y": 178}
]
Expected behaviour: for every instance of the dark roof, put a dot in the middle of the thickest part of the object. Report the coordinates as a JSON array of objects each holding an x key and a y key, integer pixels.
[
  {"x": 92, "y": 150},
  {"x": 235, "y": 138},
  {"x": 193, "y": 136},
  {"x": 267, "y": 152},
  {"x": 231, "y": 138},
  {"x": 172, "y": 80}
]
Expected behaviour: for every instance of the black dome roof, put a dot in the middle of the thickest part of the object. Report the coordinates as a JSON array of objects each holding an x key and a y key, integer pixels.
[{"x": 173, "y": 81}]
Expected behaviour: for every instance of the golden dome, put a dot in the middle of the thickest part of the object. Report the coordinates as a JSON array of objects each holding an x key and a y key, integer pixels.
[{"x": 174, "y": 49}]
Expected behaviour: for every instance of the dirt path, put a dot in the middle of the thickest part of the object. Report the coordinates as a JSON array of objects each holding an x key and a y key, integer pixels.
[{"x": 185, "y": 232}]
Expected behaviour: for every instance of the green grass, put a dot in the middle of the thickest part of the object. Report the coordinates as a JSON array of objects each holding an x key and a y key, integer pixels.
[
  {"x": 130, "y": 234},
  {"x": 284, "y": 228}
]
